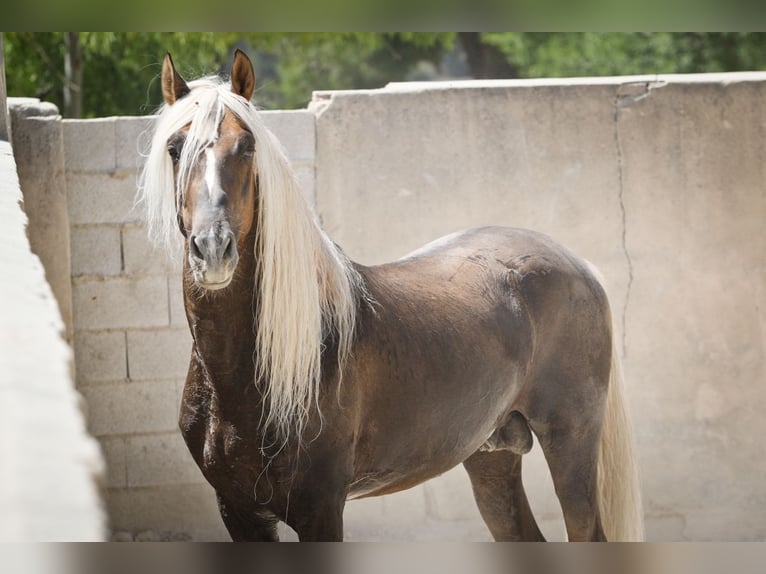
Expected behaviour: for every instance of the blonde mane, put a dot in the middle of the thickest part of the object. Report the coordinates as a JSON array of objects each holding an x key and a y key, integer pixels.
[{"x": 307, "y": 290}]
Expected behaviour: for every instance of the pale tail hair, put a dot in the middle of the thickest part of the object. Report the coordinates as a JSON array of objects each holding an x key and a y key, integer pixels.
[
  {"x": 617, "y": 484},
  {"x": 307, "y": 290}
]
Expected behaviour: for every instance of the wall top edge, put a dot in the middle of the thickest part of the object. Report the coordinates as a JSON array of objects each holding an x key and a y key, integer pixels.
[
  {"x": 32, "y": 107},
  {"x": 413, "y": 87}
]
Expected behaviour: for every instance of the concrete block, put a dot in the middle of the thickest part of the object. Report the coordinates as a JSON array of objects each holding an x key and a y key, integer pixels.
[
  {"x": 100, "y": 356},
  {"x": 665, "y": 528},
  {"x": 725, "y": 522},
  {"x": 89, "y": 145},
  {"x": 95, "y": 250},
  {"x": 296, "y": 130},
  {"x": 39, "y": 154},
  {"x": 115, "y": 303},
  {"x": 306, "y": 173},
  {"x": 102, "y": 198},
  {"x": 189, "y": 508},
  {"x": 140, "y": 256},
  {"x": 113, "y": 450},
  {"x": 131, "y": 408},
  {"x": 161, "y": 459},
  {"x": 159, "y": 354},
  {"x": 176, "y": 293},
  {"x": 132, "y": 141}
]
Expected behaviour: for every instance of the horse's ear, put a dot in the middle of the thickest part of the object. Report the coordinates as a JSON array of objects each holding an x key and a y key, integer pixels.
[
  {"x": 242, "y": 75},
  {"x": 173, "y": 85}
]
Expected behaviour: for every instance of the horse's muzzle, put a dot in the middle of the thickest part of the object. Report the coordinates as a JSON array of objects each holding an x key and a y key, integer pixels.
[{"x": 213, "y": 258}]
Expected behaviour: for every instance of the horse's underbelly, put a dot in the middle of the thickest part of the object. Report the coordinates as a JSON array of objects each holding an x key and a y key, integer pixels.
[
  {"x": 417, "y": 462},
  {"x": 435, "y": 427}
]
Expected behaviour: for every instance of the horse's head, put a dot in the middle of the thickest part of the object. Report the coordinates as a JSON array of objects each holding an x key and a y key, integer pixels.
[{"x": 214, "y": 175}]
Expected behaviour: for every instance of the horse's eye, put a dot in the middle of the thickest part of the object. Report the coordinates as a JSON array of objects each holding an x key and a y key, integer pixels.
[
  {"x": 245, "y": 145},
  {"x": 247, "y": 149},
  {"x": 174, "y": 149}
]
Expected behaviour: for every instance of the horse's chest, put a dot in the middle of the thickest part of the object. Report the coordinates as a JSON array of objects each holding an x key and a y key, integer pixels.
[
  {"x": 221, "y": 450},
  {"x": 223, "y": 447}
]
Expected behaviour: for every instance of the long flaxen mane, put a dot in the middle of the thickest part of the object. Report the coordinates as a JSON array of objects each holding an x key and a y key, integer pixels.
[{"x": 306, "y": 288}]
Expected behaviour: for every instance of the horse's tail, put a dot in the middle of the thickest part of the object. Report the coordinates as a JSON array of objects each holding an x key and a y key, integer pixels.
[
  {"x": 619, "y": 493},
  {"x": 618, "y": 488}
]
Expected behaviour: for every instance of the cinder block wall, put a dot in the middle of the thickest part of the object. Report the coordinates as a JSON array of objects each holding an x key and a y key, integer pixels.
[{"x": 131, "y": 339}]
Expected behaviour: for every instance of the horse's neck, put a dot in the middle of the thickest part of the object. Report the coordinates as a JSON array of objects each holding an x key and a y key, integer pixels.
[{"x": 222, "y": 324}]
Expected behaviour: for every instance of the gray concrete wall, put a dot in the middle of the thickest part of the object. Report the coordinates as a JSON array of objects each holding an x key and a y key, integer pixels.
[
  {"x": 659, "y": 181},
  {"x": 50, "y": 466},
  {"x": 39, "y": 152}
]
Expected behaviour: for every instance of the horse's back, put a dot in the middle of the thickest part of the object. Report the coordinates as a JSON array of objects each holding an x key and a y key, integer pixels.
[{"x": 521, "y": 259}]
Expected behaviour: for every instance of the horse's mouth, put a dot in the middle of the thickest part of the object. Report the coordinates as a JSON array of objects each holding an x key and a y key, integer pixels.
[
  {"x": 212, "y": 281},
  {"x": 214, "y": 285},
  {"x": 213, "y": 277}
]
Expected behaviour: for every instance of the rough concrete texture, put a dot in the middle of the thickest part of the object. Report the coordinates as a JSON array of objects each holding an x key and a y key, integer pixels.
[
  {"x": 38, "y": 148},
  {"x": 659, "y": 182},
  {"x": 49, "y": 465},
  {"x": 695, "y": 206}
]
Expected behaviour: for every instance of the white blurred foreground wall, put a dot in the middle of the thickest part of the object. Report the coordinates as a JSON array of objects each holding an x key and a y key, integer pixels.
[
  {"x": 659, "y": 181},
  {"x": 50, "y": 466}
]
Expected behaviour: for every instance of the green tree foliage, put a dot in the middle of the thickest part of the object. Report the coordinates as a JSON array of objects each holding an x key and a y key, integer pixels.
[
  {"x": 303, "y": 63},
  {"x": 121, "y": 70},
  {"x": 605, "y": 54}
]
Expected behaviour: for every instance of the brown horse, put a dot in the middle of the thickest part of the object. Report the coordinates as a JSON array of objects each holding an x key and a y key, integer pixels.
[{"x": 314, "y": 379}]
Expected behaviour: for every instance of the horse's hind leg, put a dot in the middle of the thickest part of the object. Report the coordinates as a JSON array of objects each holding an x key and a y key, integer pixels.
[
  {"x": 571, "y": 451},
  {"x": 496, "y": 480}
]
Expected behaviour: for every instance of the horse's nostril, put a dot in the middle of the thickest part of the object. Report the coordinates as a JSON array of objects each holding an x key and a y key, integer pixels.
[
  {"x": 194, "y": 249},
  {"x": 228, "y": 248}
]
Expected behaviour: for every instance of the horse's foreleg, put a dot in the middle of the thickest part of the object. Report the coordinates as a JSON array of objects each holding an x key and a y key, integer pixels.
[
  {"x": 247, "y": 522},
  {"x": 499, "y": 493},
  {"x": 317, "y": 521}
]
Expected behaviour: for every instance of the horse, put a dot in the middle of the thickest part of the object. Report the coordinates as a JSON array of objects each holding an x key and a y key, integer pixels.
[{"x": 314, "y": 380}]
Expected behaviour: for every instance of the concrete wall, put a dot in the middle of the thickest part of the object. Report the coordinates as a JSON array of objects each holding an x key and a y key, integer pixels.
[
  {"x": 50, "y": 467},
  {"x": 39, "y": 152},
  {"x": 656, "y": 180}
]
